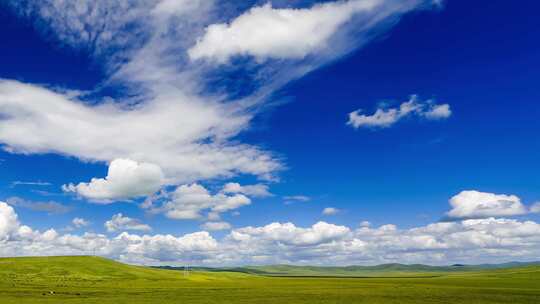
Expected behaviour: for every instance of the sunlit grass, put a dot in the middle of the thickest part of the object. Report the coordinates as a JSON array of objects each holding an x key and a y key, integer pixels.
[{"x": 98, "y": 280}]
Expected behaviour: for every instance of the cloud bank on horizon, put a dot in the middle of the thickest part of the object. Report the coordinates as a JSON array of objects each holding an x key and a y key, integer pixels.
[{"x": 479, "y": 238}]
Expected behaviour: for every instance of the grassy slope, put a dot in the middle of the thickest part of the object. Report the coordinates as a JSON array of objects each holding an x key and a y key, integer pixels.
[{"x": 97, "y": 280}]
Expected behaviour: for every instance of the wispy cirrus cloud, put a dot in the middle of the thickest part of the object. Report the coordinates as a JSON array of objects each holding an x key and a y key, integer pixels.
[
  {"x": 29, "y": 183},
  {"x": 289, "y": 199}
]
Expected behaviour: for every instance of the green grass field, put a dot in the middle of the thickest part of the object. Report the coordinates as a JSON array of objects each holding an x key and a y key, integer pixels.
[{"x": 98, "y": 280}]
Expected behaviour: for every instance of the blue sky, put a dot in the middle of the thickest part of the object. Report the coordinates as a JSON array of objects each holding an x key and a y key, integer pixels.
[{"x": 198, "y": 96}]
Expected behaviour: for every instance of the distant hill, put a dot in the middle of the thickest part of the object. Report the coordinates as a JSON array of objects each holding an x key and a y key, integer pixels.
[{"x": 383, "y": 270}]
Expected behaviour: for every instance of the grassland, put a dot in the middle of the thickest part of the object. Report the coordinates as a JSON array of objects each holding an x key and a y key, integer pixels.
[{"x": 98, "y": 280}]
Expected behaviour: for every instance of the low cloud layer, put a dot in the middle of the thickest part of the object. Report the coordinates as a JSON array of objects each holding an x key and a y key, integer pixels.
[{"x": 467, "y": 241}]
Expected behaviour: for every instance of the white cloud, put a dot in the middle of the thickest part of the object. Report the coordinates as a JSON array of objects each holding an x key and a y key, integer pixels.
[
  {"x": 23, "y": 183},
  {"x": 266, "y": 32},
  {"x": 188, "y": 201},
  {"x": 80, "y": 222},
  {"x": 20, "y": 240},
  {"x": 226, "y": 203},
  {"x": 386, "y": 117},
  {"x": 258, "y": 190},
  {"x": 214, "y": 216},
  {"x": 365, "y": 224},
  {"x": 535, "y": 208},
  {"x": 163, "y": 120},
  {"x": 289, "y": 234},
  {"x": 471, "y": 241},
  {"x": 164, "y": 132},
  {"x": 8, "y": 221},
  {"x": 475, "y": 204},
  {"x": 441, "y": 111},
  {"x": 180, "y": 7},
  {"x": 330, "y": 211},
  {"x": 50, "y": 207},
  {"x": 297, "y": 198},
  {"x": 191, "y": 247},
  {"x": 125, "y": 179},
  {"x": 216, "y": 226},
  {"x": 120, "y": 222},
  {"x": 95, "y": 26}
]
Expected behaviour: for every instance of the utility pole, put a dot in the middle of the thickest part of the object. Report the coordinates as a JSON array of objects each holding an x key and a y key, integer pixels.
[{"x": 186, "y": 270}]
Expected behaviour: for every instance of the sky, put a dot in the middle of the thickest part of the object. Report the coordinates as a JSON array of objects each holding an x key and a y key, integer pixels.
[{"x": 215, "y": 133}]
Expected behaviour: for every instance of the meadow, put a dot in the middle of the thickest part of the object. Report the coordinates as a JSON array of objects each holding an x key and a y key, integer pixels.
[{"x": 98, "y": 280}]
